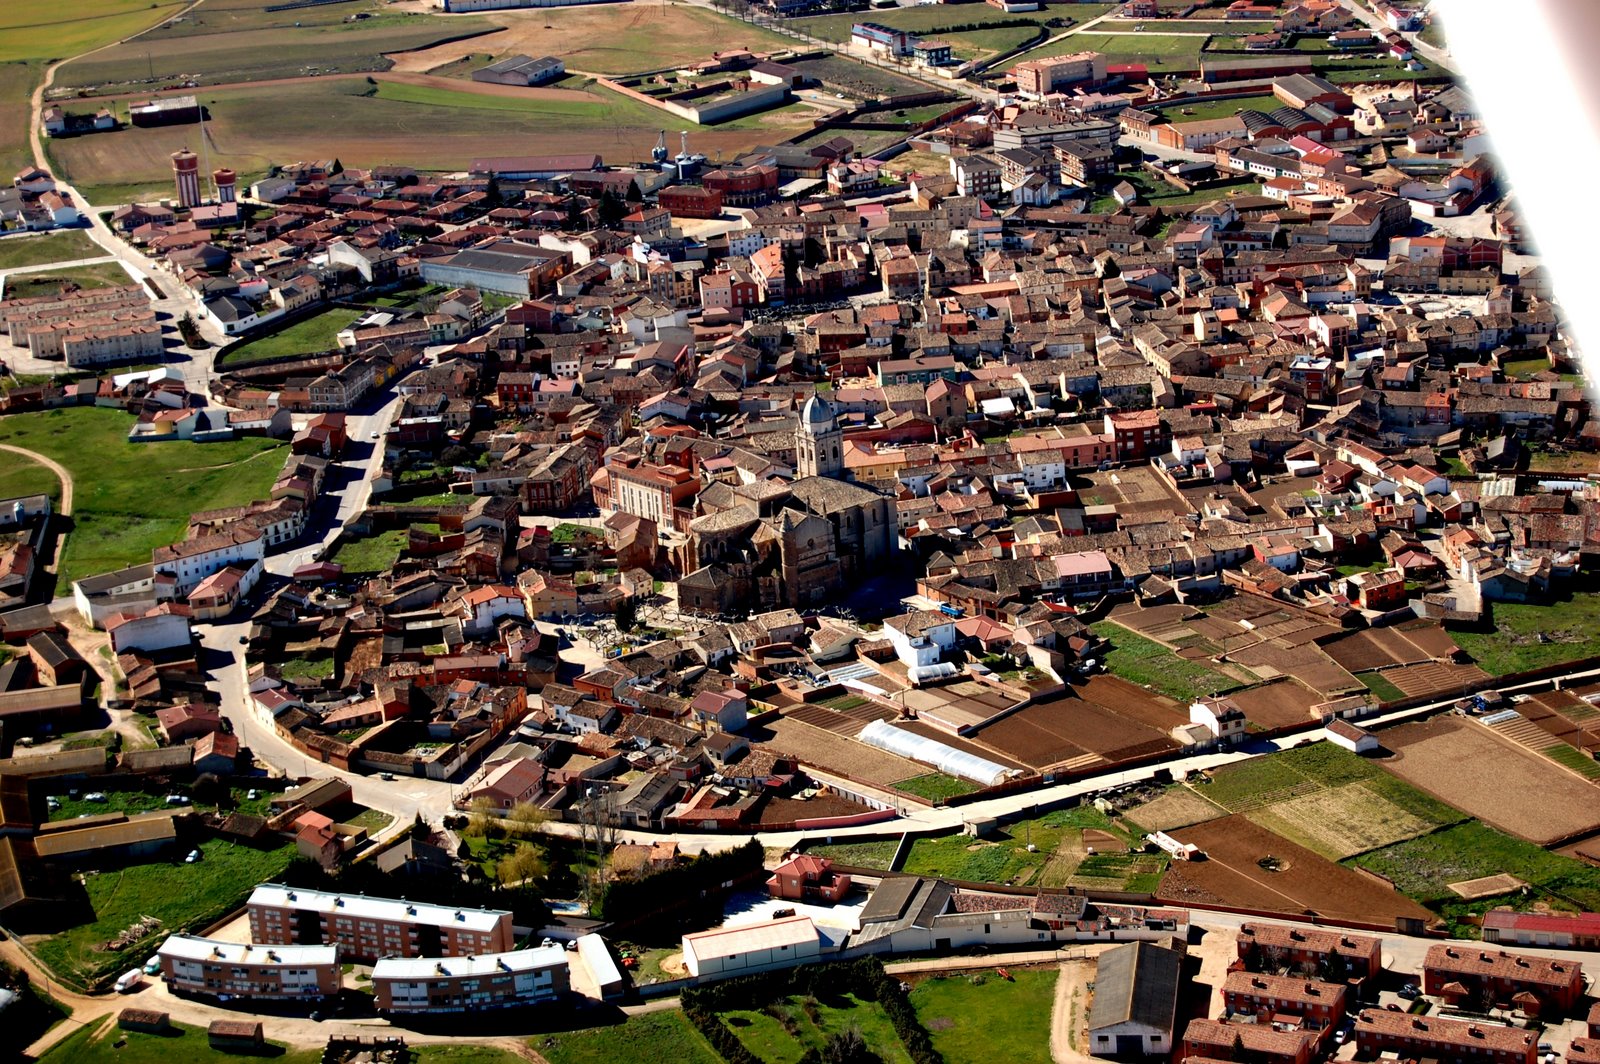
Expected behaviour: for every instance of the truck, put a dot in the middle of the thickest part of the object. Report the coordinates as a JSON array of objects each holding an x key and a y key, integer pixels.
[
  {"x": 130, "y": 980},
  {"x": 949, "y": 610}
]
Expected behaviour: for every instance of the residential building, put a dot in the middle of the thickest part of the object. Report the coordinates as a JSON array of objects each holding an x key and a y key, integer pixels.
[
  {"x": 367, "y": 928},
  {"x": 218, "y": 969},
  {"x": 476, "y": 983}
]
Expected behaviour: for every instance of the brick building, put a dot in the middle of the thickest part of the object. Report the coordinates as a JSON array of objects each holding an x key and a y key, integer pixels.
[
  {"x": 368, "y": 928},
  {"x": 470, "y": 984},
  {"x": 192, "y": 965},
  {"x": 1537, "y": 985}
]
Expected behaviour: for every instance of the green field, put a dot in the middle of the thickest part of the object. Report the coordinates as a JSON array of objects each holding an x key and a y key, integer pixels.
[
  {"x": 979, "y": 1019},
  {"x": 260, "y": 54},
  {"x": 1177, "y": 53},
  {"x": 935, "y": 785},
  {"x": 20, "y": 476},
  {"x": 375, "y": 554},
  {"x": 180, "y": 895},
  {"x": 784, "y": 1031},
  {"x": 1573, "y": 758},
  {"x": 130, "y": 498},
  {"x": 1424, "y": 867},
  {"x": 456, "y": 1053},
  {"x": 935, "y": 20},
  {"x": 308, "y": 336},
  {"x": 97, "y": 1043},
  {"x": 49, "y": 282},
  {"x": 17, "y": 79},
  {"x": 1144, "y": 661},
  {"x": 1572, "y": 626},
  {"x": 27, "y": 31},
  {"x": 1219, "y": 27},
  {"x": 858, "y": 79},
  {"x": 658, "y": 1037},
  {"x": 53, "y": 247},
  {"x": 1525, "y": 367},
  {"x": 1156, "y": 192},
  {"x": 1005, "y": 858},
  {"x": 1202, "y": 110},
  {"x": 862, "y": 854},
  {"x": 1380, "y": 686}
]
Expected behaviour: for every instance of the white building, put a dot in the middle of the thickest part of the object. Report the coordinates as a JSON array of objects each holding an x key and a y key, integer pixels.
[
  {"x": 1135, "y": 1001},
  {"x": 162, "y": 627},
  {"x": 470, "y": 984},
  {"x": 730, "y": 951},
  {"x": 921, "y": 637},
  {"x": 192, "y": 560},
  {"x": 1221, "y": 717},
  {"x": 1343, "y": 734}
]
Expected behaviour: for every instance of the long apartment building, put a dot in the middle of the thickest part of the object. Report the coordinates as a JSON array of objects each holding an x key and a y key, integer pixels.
[
  {"x": 367, "y": 928},
  {"x": 1446, "y": 1041},
  {"x": 1316, "y": 1004},
  {"x": 470, "y": 984},
  {"x": 1538, "y": 985},
  {"x": 192, "y": 965},
  {"x": 1294, "y": 947}
]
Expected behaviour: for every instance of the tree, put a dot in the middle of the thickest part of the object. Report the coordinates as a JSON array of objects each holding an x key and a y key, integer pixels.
[
  {"x": 520, "y": 865},
  {"x": 848, "y": 1047},
  {"x": 627, "y": 615},
  {"x": 633, "y": 195},
  {"x": 481, "y": 819},
  {"x": 419, "y": 829},
  {"x": 611, "y": 209},
  {"x": 524, "y": 819},
  {"x": 574, "y": 213},
  {"x": 455, "y": 455}
]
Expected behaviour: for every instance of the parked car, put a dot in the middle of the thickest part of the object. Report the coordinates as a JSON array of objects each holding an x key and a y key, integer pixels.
[
  {"x": 152, "y": 966},
  {"x": 195, "y": 856},
  {"x": 177, "y": 799},
  {"x": 95, "y": 796}
]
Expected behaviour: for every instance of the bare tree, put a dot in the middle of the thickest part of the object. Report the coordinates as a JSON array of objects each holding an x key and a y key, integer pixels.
[
  {"x": 520, "y": 865},
  {"x": 481, "y": 817}
]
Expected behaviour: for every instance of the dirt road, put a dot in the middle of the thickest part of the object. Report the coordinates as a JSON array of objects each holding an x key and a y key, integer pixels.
[{"x": 1070, "y": 1014}]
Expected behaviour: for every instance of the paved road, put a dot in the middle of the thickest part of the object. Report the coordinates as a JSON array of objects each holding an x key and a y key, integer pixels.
[{"x": 1438, "y": 56}]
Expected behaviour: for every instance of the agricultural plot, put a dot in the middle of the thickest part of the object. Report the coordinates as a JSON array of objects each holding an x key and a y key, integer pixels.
[
  {"x": 1079, "y": 733},
  {"x": 366, "y": 124},
  {"x": 1146, "y": 662},
  {"x": 1158, "y": 53},
  {"x": 604, "y": 39},
  {"x": 1059, "y": 856},
  {"x": 1531, "y": 797},
  {"x": 1530, "y": 636},
  {"x": 1328, "y": 800},
  {"x": 858, "y": 79},
  {"x": 29, "y": 31},
  {"x": 655, "y": 1036},
  {"x": 1176, "y": 807},
  {"x": 1423, "y": 868},
  {"x": 262, "y": 54},
  {"x": 1249, "y": 866},
  {"x": 50, "y": 282}
]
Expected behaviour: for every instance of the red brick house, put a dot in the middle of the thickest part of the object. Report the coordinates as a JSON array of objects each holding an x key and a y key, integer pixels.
[{"x": 808, "y": 878}]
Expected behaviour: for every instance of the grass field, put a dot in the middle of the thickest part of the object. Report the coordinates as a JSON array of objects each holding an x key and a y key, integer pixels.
[
  {"x": 1153, "y": 190},
  {"x": 250, "y": 129},
  {"x": 1058, "y": 859},
  {"x": 1144, "y": 661},
  {"x": 980, "y": 1019},
  {"x": 1572, "y": 626},
  {"x": 17, "y": 79},
  {"x": 858, "y": 79},
  {"x": 49, "y": 282},
  {"x": 103, "y": 1043},
  {"x": 179, "y": 895},
  {"x": 28, "y": 31},
  {"x": 130, "y": 498},
  {"x": 607, "y": 39},
  {"x": 1328, "y": 800},
  {"x": 307, "y": 336},
  {"x": 373, "y": 554},
  {"x": 54, "y": 247},
  {"x": 1207, "y": 109},
  {"x": 1173, "y": 53},
  {"x": 1573, "y": 758},
  {"x": 864, "y": 854},
  {"x": 935, "y": 785},
  {"x": 21, "y": 476},
  {"x": 661, "y": 1037},
  {"x": 786, "y": 1030},
  {"x": 1422, "y": 868},
  {"x": 262, "y": 53},
  {"x": 590, "y": 105}
]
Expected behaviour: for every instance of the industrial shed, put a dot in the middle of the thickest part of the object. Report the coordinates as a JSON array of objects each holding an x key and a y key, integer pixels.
[
  {"x": 521, "y": 70},
  {"x": 1135, "y": 1001}
]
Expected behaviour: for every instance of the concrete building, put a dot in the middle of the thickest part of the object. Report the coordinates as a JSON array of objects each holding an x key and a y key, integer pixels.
[
  {"x": 1135, "y": 1000},
  {"x": 521, "y": 70},
  {"x": 367, "y": 928},
  {"x": 1565, "y": 930},
  {"x": 191, "y": 965},
  {"x": 730, "y": 951},
  {"x": 472, "y": 983}
]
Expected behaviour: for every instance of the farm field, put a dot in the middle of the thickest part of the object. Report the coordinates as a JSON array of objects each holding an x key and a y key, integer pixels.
[
  {"x": 863, "y": 854},
  {"x": 1144, "y": 661},
  {"x": 858, "y": 79},
  {"x": 935, "y": 785},
  {"x": 1176, "y": 807},
  {"x": 979, "y": 1019},
  {"x": 28, "y": 31},
  {"x": 1237, "y": 871},
  {"x": 103, "y": 1043},
  {"x": 1328, "y": 800},
  {"x": 130, "y": 498},
  {"x": 252, "y": 128},
  {"x": 933, "y": 20},
  {"x": 1060, "y": 858},
  {"x": 256, "y": 54},
  {"x": 307, "y": 336},
  {"x": 1423, "y": 868},
  {"x": 1531, "y": 798},
  {"x": 1159, "y": 53},
  {"x": 49, "y": 282},
  {"x": 603, "y": 39},
  {"x": 1571, "y": 625},
  {"x": 17, "y": 79},
  {"x": 828, "y": 749},
  {"x": 19, "y": 251},
  {"x": 1109, "y": 720},
  {"x": 654, "y": 1036},
  {"x": 179, "y": 895},
  {"x": 788, "y": 1029},
  {"x": 373, "y": 554}
]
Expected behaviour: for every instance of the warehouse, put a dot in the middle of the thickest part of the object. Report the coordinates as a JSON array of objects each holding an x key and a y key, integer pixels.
[
  {"x": 1135, "y": 1000},
  {"x": 732, "y": 951},
  {"x": 521, "y": 70}
]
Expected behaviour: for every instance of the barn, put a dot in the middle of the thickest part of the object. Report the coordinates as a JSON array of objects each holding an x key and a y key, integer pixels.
[{"x": 1135, "y": 1000}]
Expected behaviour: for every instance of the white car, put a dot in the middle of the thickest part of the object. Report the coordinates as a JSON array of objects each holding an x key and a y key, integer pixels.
[{"x": 94, "y": 796}]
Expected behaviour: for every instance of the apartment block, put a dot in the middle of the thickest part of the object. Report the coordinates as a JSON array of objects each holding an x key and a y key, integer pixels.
[{"x": 367, "y": 928}]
